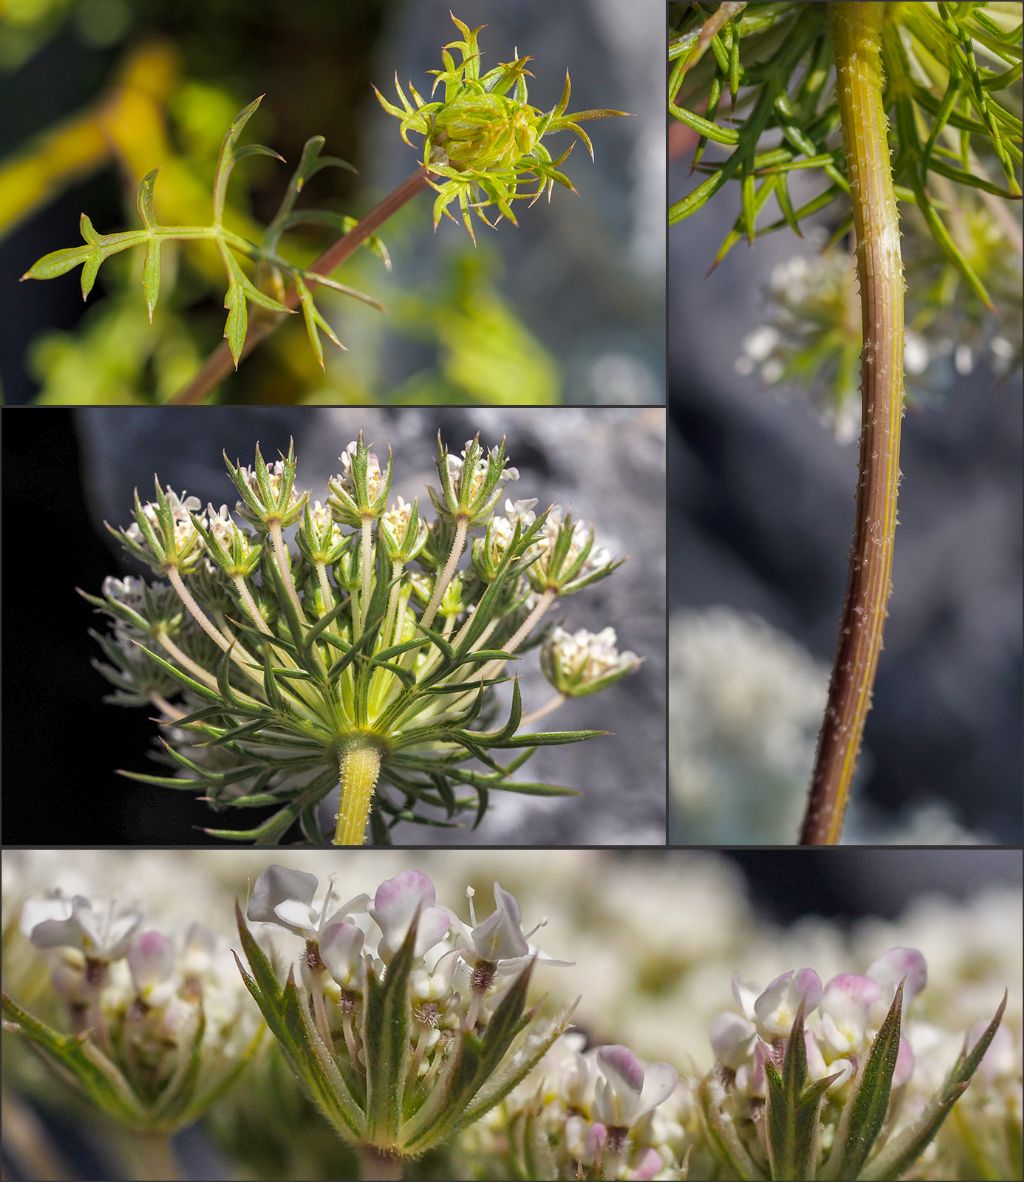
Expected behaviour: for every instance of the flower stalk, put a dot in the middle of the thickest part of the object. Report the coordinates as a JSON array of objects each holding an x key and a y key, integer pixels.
[
  {"x": 360, "y": 770},
  {"x": 857, "y": 32}
]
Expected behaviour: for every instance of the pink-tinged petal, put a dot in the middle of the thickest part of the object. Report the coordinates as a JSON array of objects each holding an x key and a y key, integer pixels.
[
  {"x": 398, "y": 899},
  {"x": 808, "y": 986},
  {"x": 660, "y": 1081},
  {"x": 341, "y": 946},
  {"x": 648, "y": 1167},
  {"x": 622, "y": 1068},
  {"x": 897, "y": 964},
  {"x": 732, "y": 1038},
  {"x": 860, "y": 991},
  {"x": 150, "y": 960},
  {"x": 597, "y": 1137},
  {"x": 274, "y": 886},
  {"x": 904, "y": 1064}
]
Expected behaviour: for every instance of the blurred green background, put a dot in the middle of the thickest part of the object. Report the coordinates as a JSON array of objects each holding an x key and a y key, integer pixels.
[{"x": 95, "y": 93}]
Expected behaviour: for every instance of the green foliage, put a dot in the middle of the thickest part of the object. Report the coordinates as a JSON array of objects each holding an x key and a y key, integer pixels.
[
  {"x": 949, "y": 69},
  {"x": 243, "y": 290}
]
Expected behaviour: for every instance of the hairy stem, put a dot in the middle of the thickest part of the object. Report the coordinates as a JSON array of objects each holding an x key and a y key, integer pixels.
[
  {"x": 220, "y": 365},
  {"x": 360, "y": 769},
  {"x": 857, "y": 31},
  {"x": 445, "y": 577},
  {"x": 376, "y": 1166},
  {"x": 251, "y": 609},
  {"x": 186, "y": 662},
  {"x": 325, "y": 587},
  {"x": 285, "y": 567},
  {"x": 366, "y": 563},
  {"x": 540, "y": 609},
  {"x": 154, "y": 1157}
]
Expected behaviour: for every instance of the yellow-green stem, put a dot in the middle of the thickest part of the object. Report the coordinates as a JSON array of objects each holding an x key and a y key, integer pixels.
[
  {"x": 857, "y": 31},
  {"x": 360, "y": 770}
]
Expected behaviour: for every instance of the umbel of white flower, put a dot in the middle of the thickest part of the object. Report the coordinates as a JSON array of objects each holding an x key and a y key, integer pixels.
[
  {"x": 360, "y": 658},
  {"x": 405, "y": 1023},
  {"x": 817, "y": 1080},
  {"x": 156, "y": 1025}
]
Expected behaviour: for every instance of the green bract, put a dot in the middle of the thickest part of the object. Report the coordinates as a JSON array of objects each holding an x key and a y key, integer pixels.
[
  {"x": 366, "y": 656},
  {"x": 483, "y": 142}
]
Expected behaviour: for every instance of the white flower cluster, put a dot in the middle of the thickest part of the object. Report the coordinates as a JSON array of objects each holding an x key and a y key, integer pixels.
[
  {"x": 462, "y": 969},
  {"x": 599, "y": 1112},
  {"x": 149, "y": 999},
  {"x": 841, "y": 1020},
  {"x": 181, "y": 507},
  {"x": 582, "y": 662},
  {"x": 473, "y": 480},
  {"x": 744, "y": 713}
]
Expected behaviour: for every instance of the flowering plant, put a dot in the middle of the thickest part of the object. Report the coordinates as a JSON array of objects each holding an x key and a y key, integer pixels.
[
  {"x": 484, "y": 141},
  {"x": 404, "y": 1032},
  {"x": 898, "y": 110},
  {"x": 154, "y": 1029},
  {"x": 409, "y": 1027},
  {"x": 365, "y": 656},
  {"x": 482, "y": 144}
]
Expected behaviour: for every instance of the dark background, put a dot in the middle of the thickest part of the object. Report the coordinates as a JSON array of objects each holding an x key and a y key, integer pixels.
[
  {"x": 65, "y": 472},
  {"x": 761, "y": 516},
  {"x": 584, "y": 274}
]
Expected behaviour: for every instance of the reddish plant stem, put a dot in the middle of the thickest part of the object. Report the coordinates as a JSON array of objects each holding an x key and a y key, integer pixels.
[
  {"x": 857, "y": 30},
  {"x": 220, "y": 365}
]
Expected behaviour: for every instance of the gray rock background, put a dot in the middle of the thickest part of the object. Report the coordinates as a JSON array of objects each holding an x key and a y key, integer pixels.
[
  {"x": 761, "y": 513},
  {"x": 607, "y": 465}
]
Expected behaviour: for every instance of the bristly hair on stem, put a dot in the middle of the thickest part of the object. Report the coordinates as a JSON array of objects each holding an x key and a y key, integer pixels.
[{"x": 940, "y": 69}]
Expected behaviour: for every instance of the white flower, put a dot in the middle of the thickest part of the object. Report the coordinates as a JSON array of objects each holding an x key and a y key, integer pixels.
[
  {"x": 285, "y": 897},
  {"x": 398, "y": 902},
  {"x": 845, "y": 1011},
  {"x": 341, "y": 950},
  {"x": 629, "y": 1089},
  {"x": 101, "y": 936},
  {"x": 732, "y": 1039},
  {"x": 775, "y": 1009},
  {"x": 499, "y": 940},
  {"x": 898, "y": 964},
  {"x": 151, "y": 962}
]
